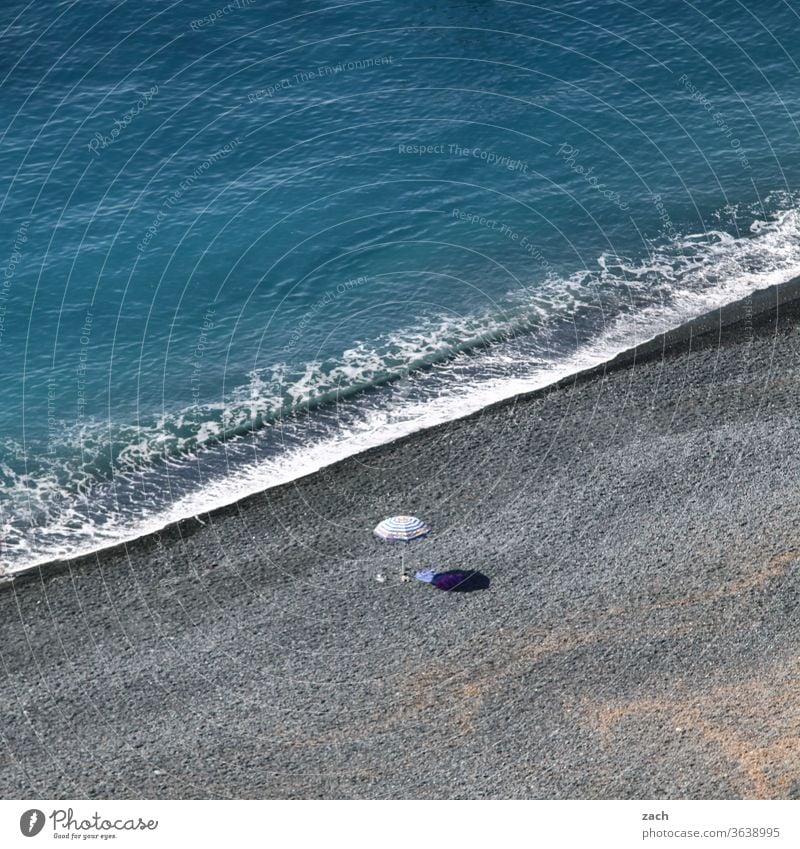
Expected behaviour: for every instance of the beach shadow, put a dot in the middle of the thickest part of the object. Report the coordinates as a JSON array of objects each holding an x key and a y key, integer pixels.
[{"x": 466, "y": 582}]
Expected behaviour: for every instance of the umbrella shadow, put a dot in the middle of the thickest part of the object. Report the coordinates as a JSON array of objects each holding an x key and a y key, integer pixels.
[{"x": 465, "y": 582}]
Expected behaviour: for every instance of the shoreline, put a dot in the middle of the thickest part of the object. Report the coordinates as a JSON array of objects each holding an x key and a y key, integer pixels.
[
  {"x": 758, "y": 304},
  {"x": 638, "y": 637}
]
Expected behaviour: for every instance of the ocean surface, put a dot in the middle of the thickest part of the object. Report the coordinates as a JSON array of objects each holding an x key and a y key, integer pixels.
[{"x": 239, "y": 242}]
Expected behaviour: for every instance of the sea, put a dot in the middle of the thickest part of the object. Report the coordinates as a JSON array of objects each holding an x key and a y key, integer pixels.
[{"x": 240, "y": 241}]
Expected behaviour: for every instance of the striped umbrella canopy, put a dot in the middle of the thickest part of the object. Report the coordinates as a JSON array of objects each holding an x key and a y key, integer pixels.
[{"x": 401, "y": 529}]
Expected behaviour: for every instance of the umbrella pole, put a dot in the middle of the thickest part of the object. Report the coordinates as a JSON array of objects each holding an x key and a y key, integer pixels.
[{"x": 403, "y": 576}]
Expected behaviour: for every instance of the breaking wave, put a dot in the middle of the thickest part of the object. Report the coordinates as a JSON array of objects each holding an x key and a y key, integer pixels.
[{"x": 108, "y": 483}]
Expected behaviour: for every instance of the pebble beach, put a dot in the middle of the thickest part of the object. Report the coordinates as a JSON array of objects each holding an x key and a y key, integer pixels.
[{"x": 638, "y": 638}]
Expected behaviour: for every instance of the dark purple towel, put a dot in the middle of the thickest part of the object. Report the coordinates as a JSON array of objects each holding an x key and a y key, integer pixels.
[{"x": 449, "y": 580}]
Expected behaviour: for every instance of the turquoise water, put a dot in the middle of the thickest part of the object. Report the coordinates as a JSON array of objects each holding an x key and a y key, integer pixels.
[{"x": 241, "y": 242}]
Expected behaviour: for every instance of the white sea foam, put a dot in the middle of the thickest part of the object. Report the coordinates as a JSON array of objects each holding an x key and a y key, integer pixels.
[{"x": 178, "y": 467}]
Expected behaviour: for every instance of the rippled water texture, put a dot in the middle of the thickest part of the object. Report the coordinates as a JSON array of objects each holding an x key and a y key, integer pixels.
[{"x": 239, "y": 244}]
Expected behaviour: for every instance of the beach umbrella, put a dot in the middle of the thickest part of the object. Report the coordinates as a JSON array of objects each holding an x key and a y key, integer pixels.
[{"x": 401, "y": 529}]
